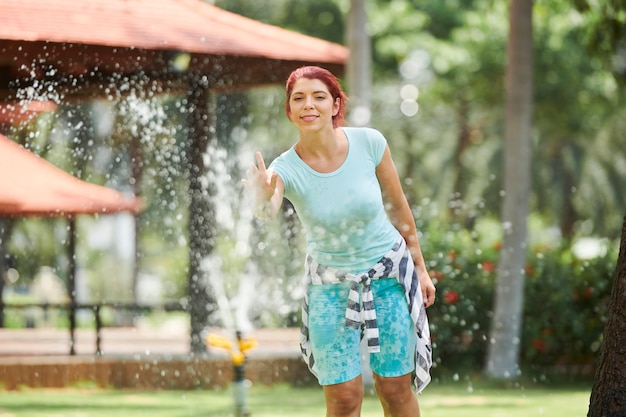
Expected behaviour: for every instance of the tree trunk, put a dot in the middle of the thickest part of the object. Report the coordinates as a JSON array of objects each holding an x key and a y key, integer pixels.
[
  {"x": 359, "y": 65},
  {"x": 607, "y": 395},
  {"x": 503, "y": 350},
  {"x": 359, "y": 90},
  {"x": 463, "y": 143},
  {"x": 568, "y": 217}
]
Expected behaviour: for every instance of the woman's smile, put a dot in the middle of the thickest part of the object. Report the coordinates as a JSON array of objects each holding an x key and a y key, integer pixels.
[{"x": 309, "y": 117}]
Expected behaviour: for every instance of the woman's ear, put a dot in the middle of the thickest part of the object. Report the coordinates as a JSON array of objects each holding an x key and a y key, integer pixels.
[{"x": 336, "y": 106}]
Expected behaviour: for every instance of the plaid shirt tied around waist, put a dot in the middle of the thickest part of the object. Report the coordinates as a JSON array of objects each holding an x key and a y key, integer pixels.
[{"x": 397, "y": 263}]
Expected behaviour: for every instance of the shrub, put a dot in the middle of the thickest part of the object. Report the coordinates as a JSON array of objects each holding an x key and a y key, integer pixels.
[
  {"x": 565, "y": 307},
  {"x": 565, "y": 301}
]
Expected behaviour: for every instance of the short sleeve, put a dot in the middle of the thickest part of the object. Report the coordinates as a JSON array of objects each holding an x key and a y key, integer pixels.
[{"x": 377, "y": 143}]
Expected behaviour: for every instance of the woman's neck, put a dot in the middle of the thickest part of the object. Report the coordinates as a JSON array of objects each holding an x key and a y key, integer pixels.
[
  {"x": 318, "y": 144},
  {"x": 323, "y": 153}
]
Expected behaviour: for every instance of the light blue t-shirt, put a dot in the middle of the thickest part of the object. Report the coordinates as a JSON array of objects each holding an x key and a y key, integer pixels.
[{"x": 342, "y": 211}]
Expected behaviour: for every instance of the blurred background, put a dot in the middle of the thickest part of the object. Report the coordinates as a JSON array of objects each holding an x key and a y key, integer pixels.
[{"x": 437, "y": 94}]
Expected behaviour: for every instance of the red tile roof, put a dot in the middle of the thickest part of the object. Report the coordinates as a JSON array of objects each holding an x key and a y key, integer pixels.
[
  {"x": 14, "y": 113},
  {"x": 185, "y": 25},
  {"x": 30, "y": 185}
]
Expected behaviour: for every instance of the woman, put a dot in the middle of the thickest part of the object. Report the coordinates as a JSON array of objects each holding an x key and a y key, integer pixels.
[{"x": 364, "y": 265}]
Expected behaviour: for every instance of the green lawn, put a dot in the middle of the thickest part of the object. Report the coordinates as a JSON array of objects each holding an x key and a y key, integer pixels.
[{"x": 284, "y": 401}]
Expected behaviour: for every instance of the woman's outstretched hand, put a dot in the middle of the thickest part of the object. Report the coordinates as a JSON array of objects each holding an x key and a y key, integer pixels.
[{"x": 261, "y": 183}]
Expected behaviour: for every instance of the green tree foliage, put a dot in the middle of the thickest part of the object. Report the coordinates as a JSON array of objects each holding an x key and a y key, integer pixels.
[
  {"x": 321, "y": 18},
  {"x": 578, "y": 107},
  {"x": 575, "y": 98},
  {"x": 606, "y": 32}
]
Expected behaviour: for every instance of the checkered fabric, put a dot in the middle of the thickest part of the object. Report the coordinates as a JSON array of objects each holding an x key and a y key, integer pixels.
[{"x": 360, "y": 311}]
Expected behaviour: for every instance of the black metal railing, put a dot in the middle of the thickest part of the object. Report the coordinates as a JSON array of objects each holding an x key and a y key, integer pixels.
[{"x": 96, "y": 308}]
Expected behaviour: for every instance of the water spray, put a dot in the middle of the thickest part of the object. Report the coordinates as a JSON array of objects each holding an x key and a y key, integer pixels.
[{"x": 238, "y": 358}]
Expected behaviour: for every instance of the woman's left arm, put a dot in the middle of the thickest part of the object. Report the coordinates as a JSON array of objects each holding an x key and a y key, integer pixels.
[{"x": 400, "y": 214}]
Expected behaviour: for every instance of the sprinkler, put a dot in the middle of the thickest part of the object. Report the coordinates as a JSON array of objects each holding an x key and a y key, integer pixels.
[{"x": 238, "y": 359}]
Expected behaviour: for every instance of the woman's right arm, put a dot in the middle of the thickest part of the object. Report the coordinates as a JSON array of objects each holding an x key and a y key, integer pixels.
[{"x": 266, "y": 187}]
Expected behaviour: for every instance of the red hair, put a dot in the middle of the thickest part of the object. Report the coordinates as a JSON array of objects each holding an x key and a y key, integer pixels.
[{"x": 331, "y": 82}]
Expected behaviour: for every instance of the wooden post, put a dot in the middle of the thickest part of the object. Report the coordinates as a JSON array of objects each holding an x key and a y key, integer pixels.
[
  {"x": 3, "y": 270},
  {"x": 202, "y": 228},
  {"x": 71, "y": 280},
  {"x": 96, "y": 312},
  {"x": 5, "y": 231}
]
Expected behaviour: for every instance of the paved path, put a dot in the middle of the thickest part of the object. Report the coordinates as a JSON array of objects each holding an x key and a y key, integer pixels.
[{"x": 141, "y": 341}]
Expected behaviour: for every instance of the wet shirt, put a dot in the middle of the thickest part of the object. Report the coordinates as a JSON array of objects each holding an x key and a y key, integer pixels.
[{"x": 342, "y": 211}]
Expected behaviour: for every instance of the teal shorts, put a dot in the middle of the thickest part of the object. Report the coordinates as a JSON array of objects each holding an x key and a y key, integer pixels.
[{"x": 336, "y": 348}]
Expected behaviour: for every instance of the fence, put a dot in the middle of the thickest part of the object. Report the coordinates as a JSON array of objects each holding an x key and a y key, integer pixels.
[{"x": 96, "y": 308}]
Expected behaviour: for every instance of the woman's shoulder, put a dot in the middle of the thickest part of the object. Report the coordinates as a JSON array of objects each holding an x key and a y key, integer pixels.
[
  {"x": 363, "y": 131},
  {"x": 366, "y": 135},
  {"x": 367, "y": 140}
]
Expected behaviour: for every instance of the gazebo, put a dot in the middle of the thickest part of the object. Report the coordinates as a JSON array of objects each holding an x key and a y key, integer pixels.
[
  {"x": 85, "y": 49},
  {"x": 78, "y": 44},
  {"x": 31, "y": 186}
]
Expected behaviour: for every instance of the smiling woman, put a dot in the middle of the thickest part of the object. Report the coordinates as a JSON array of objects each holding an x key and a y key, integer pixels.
[{"x": 363, "y": 250}]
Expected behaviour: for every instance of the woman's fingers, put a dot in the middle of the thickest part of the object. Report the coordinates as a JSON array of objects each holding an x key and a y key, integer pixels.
[
  {"x": 258, "y": 180},
  {"x": 428, "y": 291},
  {"x": 256, "y": 171},
  {"x": 260, "y": 162}
]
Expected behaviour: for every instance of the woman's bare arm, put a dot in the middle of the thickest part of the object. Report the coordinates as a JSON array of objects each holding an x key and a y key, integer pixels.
[{"x": 400, "y": 214}]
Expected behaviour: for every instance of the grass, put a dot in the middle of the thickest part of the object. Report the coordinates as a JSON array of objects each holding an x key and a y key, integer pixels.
[{"x": 438, "y": 400}]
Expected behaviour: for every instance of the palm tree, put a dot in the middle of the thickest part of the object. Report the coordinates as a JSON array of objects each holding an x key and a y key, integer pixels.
[
  {"x": 359, "y": 64},
  {"x": 504, "y": 346}
]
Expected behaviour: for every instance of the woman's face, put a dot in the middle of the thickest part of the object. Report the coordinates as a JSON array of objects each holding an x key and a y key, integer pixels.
[{"x": 311, "y": 106}]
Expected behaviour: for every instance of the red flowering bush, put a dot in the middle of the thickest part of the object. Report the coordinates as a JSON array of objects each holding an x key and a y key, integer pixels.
[
  {"x": 565, "y": 301},
  {"x": 451, "y": 297}
]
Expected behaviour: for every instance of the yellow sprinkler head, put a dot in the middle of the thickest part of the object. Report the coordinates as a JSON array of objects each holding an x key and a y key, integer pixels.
[
  {"x": 246, "y": 344},
  {"x": 219, "y": 341},
  {"x": 237, "y": 358}
]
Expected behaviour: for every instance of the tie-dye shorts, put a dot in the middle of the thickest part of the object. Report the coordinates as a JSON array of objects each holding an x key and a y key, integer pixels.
[{"x": 336, "y": 348}]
